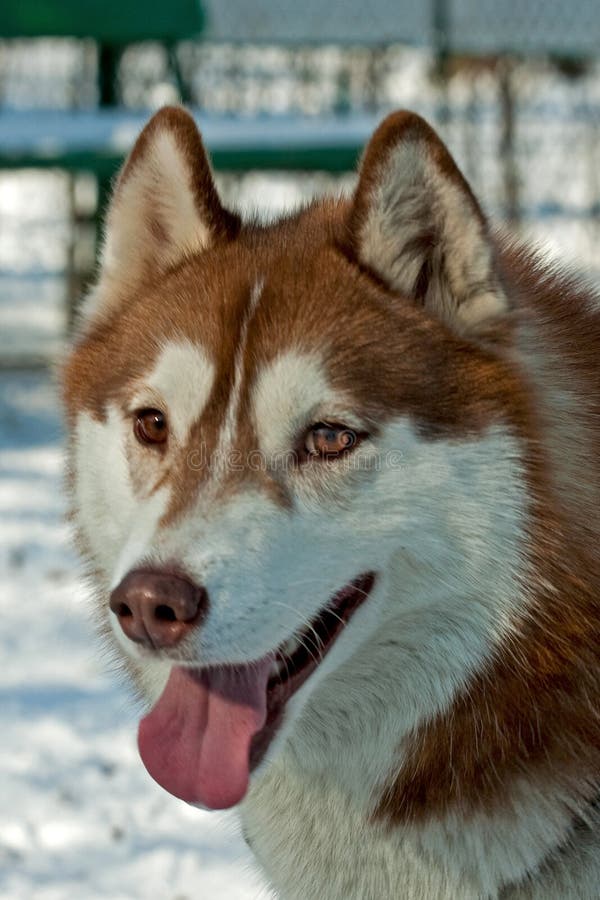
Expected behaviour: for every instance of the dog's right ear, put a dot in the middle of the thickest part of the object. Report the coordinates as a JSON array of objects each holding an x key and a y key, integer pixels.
[{"x": 164, "y": 207}]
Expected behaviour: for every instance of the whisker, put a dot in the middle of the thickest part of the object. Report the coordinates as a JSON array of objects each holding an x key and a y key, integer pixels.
[{"x": 297, "y": 635}]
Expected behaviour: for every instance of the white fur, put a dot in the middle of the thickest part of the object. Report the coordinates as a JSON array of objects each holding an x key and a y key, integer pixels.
[
  {"x": 104, "y": 496},
  {"x": 179, "y": 385},
  {"x": 156, "y": 193},
  {"x": 450, "y": 859},
  {"x": 159, "y": 185},
  {"x": 141, "y": 534},
  {"x": 290, "y": 393},
  {"x": 413, "y": 196},
  {"x": 117, "y": 526}
]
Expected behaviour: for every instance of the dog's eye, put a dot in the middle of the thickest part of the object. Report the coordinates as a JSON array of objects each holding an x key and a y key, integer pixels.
[
  {"x": 150, "y": 426},
  {"x": 328, "y": 441}
]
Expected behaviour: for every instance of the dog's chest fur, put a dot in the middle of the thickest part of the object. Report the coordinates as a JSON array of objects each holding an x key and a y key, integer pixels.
[{"x": 331, "y": 850}]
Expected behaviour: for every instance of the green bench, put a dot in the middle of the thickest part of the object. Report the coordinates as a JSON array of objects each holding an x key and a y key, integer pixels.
[
  {"x": 113, "y": 24},
  {"x": 96, "y": 140}
]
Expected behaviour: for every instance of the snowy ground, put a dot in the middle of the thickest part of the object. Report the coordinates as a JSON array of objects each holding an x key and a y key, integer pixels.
[{"x": 79, "y": 817}]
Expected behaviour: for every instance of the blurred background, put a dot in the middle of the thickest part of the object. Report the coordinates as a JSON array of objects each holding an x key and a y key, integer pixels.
[{"x": 285, "y": 94}]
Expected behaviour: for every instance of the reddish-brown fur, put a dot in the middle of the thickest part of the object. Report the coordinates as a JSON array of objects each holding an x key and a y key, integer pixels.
[{"x": 534, "y": 710}]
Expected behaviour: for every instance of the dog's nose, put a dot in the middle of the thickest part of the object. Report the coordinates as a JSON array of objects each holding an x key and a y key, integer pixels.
[{"x": 157, "y": 608}]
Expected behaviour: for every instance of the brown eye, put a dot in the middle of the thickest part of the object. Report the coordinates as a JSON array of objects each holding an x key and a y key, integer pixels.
[
  {"x": 328, "y": 441},
  {"x": 150, "y": 426}
]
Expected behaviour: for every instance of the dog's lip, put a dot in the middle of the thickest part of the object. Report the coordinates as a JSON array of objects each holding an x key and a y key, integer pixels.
[
  {"x": 212, "y": 726},
  {"x": 315, "y": 641},
  {"x": 294, "y": 670}
]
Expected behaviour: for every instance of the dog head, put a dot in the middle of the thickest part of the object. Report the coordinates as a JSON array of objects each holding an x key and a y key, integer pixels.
[{"x": 283, "y": 438}]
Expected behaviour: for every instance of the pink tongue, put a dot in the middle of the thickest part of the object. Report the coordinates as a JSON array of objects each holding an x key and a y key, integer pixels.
[{"x": 196, "y": 741}]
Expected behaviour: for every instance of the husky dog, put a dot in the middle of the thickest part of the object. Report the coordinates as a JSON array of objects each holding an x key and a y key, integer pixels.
[{"x": 336, "y": 481}]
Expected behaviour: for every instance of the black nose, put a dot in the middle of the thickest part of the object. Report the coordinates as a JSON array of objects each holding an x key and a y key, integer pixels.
[{"x": 157, "y": 608}]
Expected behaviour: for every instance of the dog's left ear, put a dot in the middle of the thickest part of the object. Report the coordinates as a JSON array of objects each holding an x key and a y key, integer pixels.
[{"x": 417, "y": 226}]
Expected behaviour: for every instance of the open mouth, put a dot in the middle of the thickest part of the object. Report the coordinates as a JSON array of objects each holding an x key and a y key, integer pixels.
[
  {"x": 296, "y": 660},
  {"x": 212, "y": 726}
]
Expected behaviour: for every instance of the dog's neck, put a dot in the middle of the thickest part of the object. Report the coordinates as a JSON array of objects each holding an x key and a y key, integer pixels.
[
  {"x": 452, "y": 808},
  {"x": 296, "y": 824}
]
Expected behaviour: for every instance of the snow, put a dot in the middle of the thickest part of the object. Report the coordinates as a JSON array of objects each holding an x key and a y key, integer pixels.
[{"x": 79, "y": 816}]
